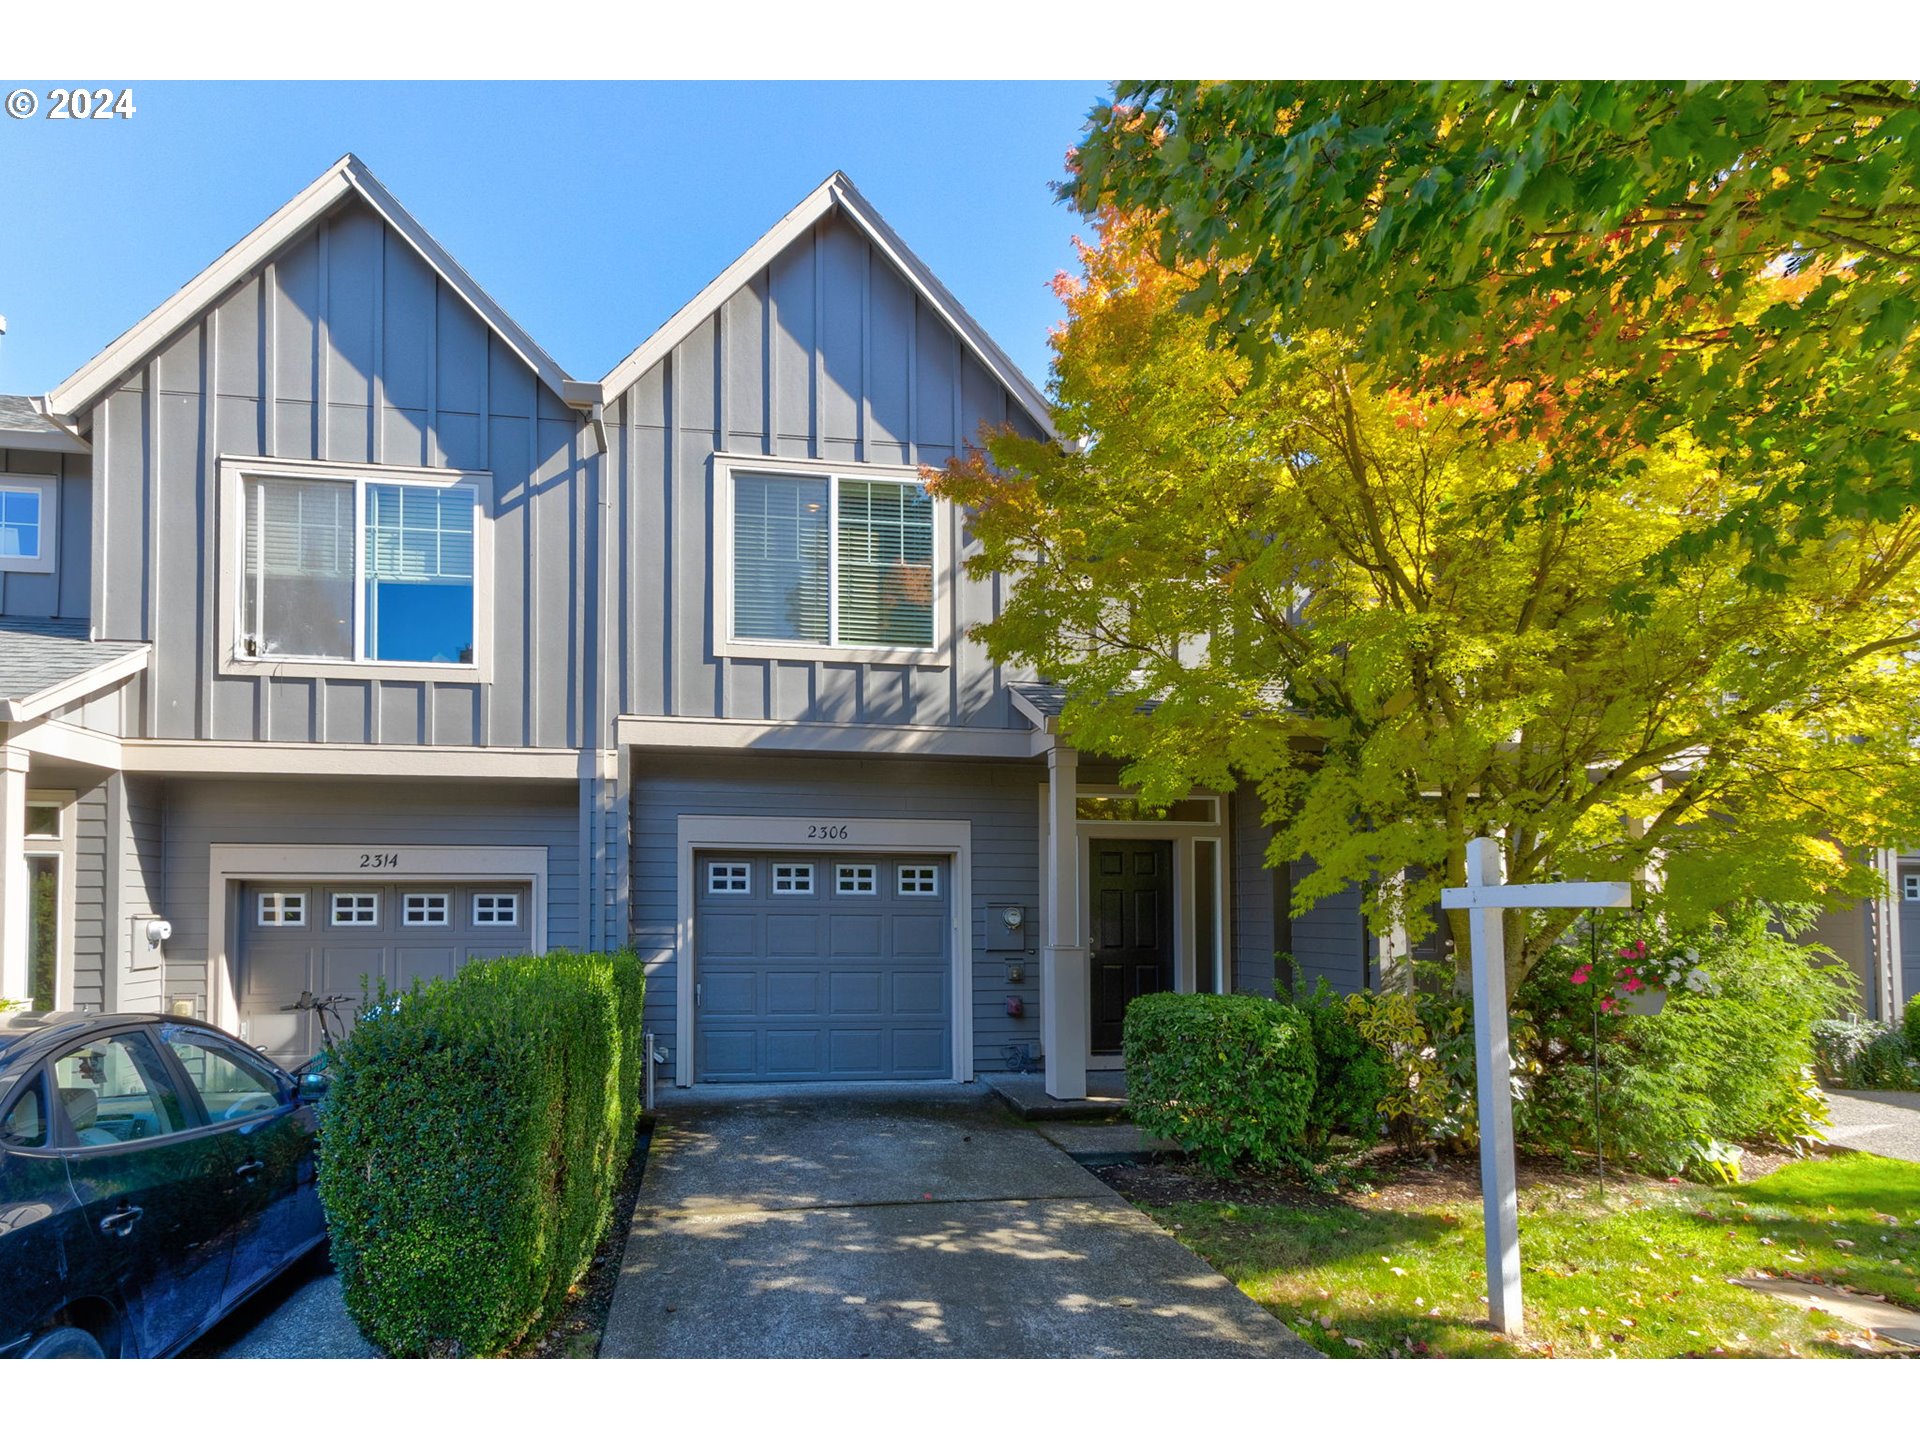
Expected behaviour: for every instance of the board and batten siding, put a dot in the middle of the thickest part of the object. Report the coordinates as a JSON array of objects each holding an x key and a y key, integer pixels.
[
  {"x": 206, "y": 811},
  {"x": 65, "y": 592},
  {"x": 1329, "y": 942},
  {"x": 827, "y": 353},
  {"x": 996, "y": 798},
  {"x": 344, "y": 346},
  {"x": 92, "y": 906}
]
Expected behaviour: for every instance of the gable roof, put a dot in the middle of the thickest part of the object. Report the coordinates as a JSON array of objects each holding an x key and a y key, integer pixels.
[
  {"x": 346, "y": 176},
  {"x": 835, "y": 192},
  {"x": 45, "y": 663}
]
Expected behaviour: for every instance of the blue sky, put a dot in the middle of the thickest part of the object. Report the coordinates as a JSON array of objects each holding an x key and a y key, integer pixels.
[{"x": 591, "y": 212}]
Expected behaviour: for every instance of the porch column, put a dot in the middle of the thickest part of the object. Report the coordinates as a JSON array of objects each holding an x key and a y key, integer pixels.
[
  {"x": 1064, "y": 982},
  {"x": 15, "y": 894}
]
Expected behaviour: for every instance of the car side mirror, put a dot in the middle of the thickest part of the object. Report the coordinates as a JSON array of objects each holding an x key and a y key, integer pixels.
[{"x": 312, "y": 1087}]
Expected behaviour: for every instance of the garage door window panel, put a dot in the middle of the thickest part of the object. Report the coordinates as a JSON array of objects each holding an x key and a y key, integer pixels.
[
  {"x": 280, "y": 908},
  {"x": 356, "y": 909},
  {"x": 793, "y": 879},
  {"x": 919, "y": 880},
  {"x": 496, "y": 909},
  {"x": 855, "y": 880},
  {"x": 426, "y": 908},
  {"x": 725, "y": 878}
]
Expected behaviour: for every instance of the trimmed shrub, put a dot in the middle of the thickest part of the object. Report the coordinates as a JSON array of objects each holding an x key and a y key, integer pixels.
[
  {"x": 1229, "y": 1078},
  {"x": 474, "y": 1134},
  {"x": 1910, "y": 1027},
  {"x": 1350, "y": 1074}
]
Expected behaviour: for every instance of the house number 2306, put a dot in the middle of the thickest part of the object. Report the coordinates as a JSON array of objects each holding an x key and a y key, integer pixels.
[
  {"x": 826, "y": 832},
  {"x": 374, "y": 860}
]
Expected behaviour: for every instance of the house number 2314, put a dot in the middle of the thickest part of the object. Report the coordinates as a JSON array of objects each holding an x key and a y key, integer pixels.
[
  {"x": 826, "y": 832},
  {"x": 379, "y": 860}
]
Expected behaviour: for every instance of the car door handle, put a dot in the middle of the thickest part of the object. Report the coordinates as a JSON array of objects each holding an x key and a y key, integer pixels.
[
  {"x": 250, "y": 1169},
  {"x": 120, "y": 1222}
]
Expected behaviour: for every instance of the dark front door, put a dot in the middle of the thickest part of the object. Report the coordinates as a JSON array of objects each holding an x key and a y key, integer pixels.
[{"x": 1132, "y": 931}]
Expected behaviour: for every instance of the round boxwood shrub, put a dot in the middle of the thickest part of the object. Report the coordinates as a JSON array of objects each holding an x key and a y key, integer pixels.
[
  {"x": 1229, "y": 1078},
  {"x": 474, "y": 1134}
]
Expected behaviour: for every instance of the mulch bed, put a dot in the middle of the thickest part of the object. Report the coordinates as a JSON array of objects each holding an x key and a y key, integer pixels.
[
  {"x": 576, "y": 1334},
  {"x": 1389, "y": 1180}
]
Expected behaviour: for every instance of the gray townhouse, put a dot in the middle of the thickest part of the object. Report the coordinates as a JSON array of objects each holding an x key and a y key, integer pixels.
[{"x": 345, "y": 638}]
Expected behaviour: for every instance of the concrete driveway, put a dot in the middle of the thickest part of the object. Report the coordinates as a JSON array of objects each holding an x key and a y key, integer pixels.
[
  {"x": 901, "y": 1221},
  {"x": 1881, "y": 1122}
]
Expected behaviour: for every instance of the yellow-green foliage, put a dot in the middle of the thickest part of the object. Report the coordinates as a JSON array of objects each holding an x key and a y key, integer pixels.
[
  {"x": 473, "y": 1137},
  {"x": 1328, "y": 588}
]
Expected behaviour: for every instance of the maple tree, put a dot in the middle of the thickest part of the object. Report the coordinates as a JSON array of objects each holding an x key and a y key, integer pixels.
[
  {"x": 1613, "y": 262},
  {"x": 1292, "y": 574}
]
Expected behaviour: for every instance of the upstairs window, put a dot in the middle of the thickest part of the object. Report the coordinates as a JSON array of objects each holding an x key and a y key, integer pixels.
[
  {"x": 358, "y": 569},
  {"x": 833, "y": 560},
  {"x": 28, "y": 505}
]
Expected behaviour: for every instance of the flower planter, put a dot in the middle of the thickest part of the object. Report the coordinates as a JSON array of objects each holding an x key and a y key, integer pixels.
[{"x": 1647, "y": 1000}]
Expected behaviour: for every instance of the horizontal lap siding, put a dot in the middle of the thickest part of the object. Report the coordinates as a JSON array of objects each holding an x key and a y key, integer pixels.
[
  {"x": 1330, "y": 941},
  {"x": 1256, "y": 928},
  {"x": 201, "y": 813},
  {"x": 999, "y": 800},
  {"x": 64, "y": 592},
  {"x": 828, "y": 354},
  {"x": 346, "y": 346}
]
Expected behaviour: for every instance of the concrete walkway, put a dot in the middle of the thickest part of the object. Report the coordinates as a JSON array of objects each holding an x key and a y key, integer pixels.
[
  {"x": 916, "y": 1220},
  {"x": 1880, "y": 1122}
]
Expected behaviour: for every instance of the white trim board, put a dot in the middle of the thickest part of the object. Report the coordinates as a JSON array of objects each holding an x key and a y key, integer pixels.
[
  {"x": 913, "y": 742},
  {"x": 229, "y": 865},
  {"x": 950, "y": 838},
  {"x": 346, "y": 176},
  {"x": 835, "y": 192}
]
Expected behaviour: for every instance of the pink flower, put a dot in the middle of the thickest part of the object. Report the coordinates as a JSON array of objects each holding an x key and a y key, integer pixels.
[
  {"x": 1625, "y": 952},
  {"x": 1581, "y": 975},
  {"x": 1607, "y": 1003},
  {"x": 1633, "y": 984}
]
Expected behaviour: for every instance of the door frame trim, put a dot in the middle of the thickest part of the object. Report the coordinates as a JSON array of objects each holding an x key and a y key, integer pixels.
[
  {"x": 846, "y": 835},
  {"x": 1184, "y": 834},
  {"x": 230, "y": 866}
]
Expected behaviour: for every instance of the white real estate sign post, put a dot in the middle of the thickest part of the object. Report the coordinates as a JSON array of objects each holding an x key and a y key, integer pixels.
[{"x": 1486, "y": 895}]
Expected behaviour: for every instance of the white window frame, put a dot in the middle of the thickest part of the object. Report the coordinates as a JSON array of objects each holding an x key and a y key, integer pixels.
[
  {"x": 279, "y": 899},
  {"x": 798, "y": 879},
  {"x": 1910, "y": 887},
  {"x": 445, "y": 899},
  {"x": 353, "y": 897},
  {"x": 927, "y": 873},
  {"x": 496, "y": 899},
  {"x": 856, "y": 879},
  {"x": 729, "y": 870},
  {"x": 61, "y": 846},
  {"x": 726, "y": 466},
  {"x": 235, "y": 471},
  {"x": 47, "y": 488}
]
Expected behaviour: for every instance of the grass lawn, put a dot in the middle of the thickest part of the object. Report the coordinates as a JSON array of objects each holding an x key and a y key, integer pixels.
[{"x": 1645, "y": 1273}]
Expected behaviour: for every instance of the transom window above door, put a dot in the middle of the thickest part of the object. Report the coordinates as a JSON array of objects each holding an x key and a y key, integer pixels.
[
  {"x": 829, "y": 560},
  {"x": 366, "y": 566}
]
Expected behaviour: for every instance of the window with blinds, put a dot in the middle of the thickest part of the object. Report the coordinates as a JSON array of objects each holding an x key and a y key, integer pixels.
[
  {"x": 358, "y": 570},
  {"x": 833, "y": 561}
]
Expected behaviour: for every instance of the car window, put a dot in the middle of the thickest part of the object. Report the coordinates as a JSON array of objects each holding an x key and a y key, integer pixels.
[
  {"x": 25, "y": 1125},
  {"x": 115, "y": 1089},
  {"x": 229, "y": 1084}
]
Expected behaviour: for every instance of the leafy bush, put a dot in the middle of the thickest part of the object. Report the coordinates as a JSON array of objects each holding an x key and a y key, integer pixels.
[
  {"x": 1856, "y": 1054},
  {"x": 474, "y": 1134},
  {"x": 1425, "y": 1039},
  {"x": 1681, "y": 1090},
  {"x": 1228, "y": 1077},
  {"x": 1350, "y": 1074},
  {"x": 1910, "y": 1027}
]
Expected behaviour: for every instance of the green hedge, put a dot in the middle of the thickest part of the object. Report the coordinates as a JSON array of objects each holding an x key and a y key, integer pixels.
[
  {"x": 1350, "y": 1075},
  {"x": 473, "y": 1137},
  {"x": 1230, "y": 1078}
]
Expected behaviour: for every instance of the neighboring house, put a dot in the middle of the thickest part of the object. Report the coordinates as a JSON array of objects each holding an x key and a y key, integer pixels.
[
  {"x": 344, "y": 638},
  {"x": 1880, "y": 939}
]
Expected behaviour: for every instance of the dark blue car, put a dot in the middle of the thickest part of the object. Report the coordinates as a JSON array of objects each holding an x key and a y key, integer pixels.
[{"x": 154, "y": 1172}]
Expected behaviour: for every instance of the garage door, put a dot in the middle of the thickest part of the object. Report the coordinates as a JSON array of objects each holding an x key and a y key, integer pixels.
[
  {"x": 822, "y": 968},
  {"x": 342, "y": 939}
]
